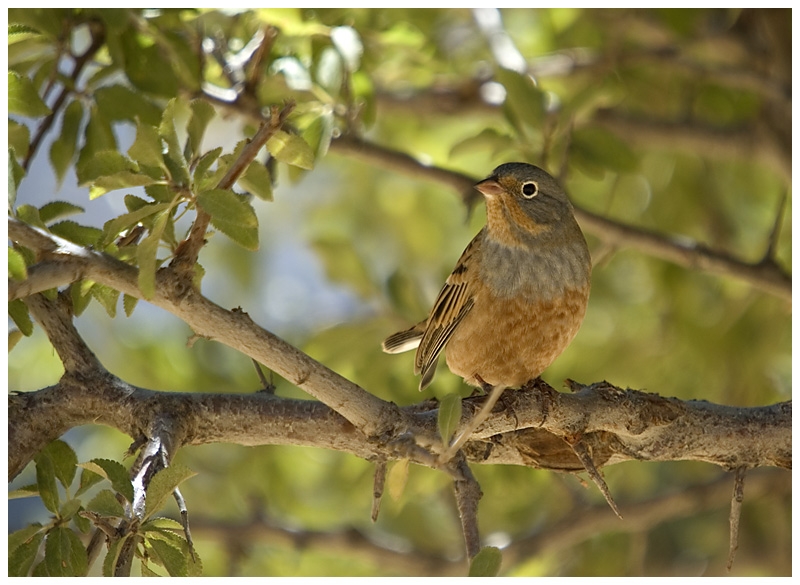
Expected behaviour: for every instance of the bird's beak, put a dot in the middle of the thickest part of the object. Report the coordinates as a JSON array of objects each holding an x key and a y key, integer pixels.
[{"x": 490, "y": 187}]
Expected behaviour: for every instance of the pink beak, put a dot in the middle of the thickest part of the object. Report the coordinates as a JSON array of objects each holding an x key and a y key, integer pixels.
[{"x": 490, "y": 187}]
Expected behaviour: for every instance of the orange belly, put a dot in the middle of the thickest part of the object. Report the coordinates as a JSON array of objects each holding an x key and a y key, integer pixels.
[{"x": 510, "y": 342}]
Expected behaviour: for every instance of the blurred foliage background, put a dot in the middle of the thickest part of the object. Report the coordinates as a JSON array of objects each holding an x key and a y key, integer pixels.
[{"x": 677, "y": 121}]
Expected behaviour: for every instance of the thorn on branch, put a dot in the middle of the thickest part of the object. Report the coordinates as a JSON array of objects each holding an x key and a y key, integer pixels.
[
  {"x": 377, "y": 488},
  {"x": 736, "y": 513},
  {"x": 580, "y": 450}
]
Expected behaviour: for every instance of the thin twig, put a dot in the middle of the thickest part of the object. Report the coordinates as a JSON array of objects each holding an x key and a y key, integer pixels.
[
  {"x": 189, "y": 250},
  {"x": 468, "y": 494},
  {"x": 98, "y": 38}
]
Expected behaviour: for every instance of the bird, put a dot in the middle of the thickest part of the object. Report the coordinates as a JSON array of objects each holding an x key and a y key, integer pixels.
[{"x": 517, "y": 295}]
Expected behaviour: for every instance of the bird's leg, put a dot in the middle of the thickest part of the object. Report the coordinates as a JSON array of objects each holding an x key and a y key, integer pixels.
[{"x": 494, "y": 393}]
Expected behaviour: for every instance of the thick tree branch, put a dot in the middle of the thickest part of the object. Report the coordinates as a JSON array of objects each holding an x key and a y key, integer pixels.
[
  {"x": 367, "y": 412},
  {"x": 615, "y": 424}
]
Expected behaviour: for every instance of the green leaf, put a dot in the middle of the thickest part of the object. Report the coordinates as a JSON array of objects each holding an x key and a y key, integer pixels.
[
  {"x": 246, "y": 237},
  {"x": 47, "y": 21},
  {"x": 17, "y": 269},
  {"x": 318, "y": 134},
  {"x": 76, "y": 233},
  {"x": 23, "y": 535},
  {"x": 22, "y": 555},
  {"x": 102, "y": 164},
  {"x": 62, "y": 151},
  {"x": 449, "y": 417},
  {"x": 595, "y": 146},
  {"x": 107, "y": 297},
  {"x": 114, "y": 472},
  {"x": 69, "y": 508},
  {"x": 64, "y": 461},
  {"x": 396, "y": 479},
  {"x": 524, "y": 100},
  {"x": 46, "y": 481},
  {"x": 160, "y": 193},
  {"x": 98, "y": 137},
  {"x": 171, "y": 532},
  {"x": 486, "y": 563},
  {"x": 80, "y": 294},
  {"x": 228, "y": 206},
  {"x": 87, "y": 480},
  {"x": 15, "y": 175},
  {"x": 145, "y": 65},
  {"x": 65, "y": 555},
  {"x": 30, "y": 215},
  {"x": 202, "y": 114},
  {"x": 23, "y": 99},
  {"x": 132, "y": 202},
  {"x": 26, "y": 491},
  {"x": 201, "y": 180},
  {"x": 163, "y": 484},
  {"x": 146, "y": 253},
  {"x": 291, "y": 149},
  {"x": 113, "y": 227},
  {"x": 162, "y": 525},
  {"x": 18, "y": 311},
  {"x": 105, "y": 503},
  {"x": 173, "y": 158},
  {"x": 114, "y": 549},
  {"x": 123, "y": 180},
  {"x": 118, "y": 102},
  {"x": 129, "y": 304},
  {"x": 170, "y": 557},
  {"x": 58, "y": 209},
  {"x": 146, "y": 149},
  {"x": 256, "y": 179},
  {"x": 19, "y": 137}
]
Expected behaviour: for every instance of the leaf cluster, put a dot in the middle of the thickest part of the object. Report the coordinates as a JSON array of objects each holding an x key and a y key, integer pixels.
[{"x": 100, "y": 500}]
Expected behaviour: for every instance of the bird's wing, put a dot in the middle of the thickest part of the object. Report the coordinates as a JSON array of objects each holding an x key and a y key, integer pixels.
[{"x": 453, "y": 303}]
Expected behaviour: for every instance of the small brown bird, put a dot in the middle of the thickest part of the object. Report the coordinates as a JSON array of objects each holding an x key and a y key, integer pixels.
[{"x": 517, "y": 295}]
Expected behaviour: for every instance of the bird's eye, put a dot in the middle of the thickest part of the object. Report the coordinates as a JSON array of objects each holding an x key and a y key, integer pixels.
[{"x": 530, "y": 189}]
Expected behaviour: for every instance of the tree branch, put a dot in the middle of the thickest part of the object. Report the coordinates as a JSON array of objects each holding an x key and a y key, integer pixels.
[
  {"x": 368, "y": 413},
  {"x": 615, "y": 424},
  {"x": 98, "y": 35}
]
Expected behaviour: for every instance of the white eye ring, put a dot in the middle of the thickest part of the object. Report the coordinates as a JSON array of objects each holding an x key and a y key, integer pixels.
[{"x": 530, "y": 189}]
